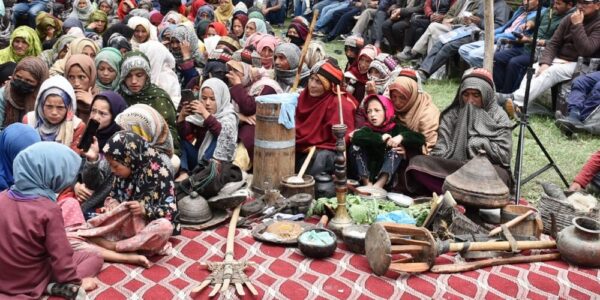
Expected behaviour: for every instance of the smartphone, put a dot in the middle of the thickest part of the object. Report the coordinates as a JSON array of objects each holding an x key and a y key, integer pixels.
[
  {"x": 88, "y": 136},
  {"x": 187, "y": 96}
]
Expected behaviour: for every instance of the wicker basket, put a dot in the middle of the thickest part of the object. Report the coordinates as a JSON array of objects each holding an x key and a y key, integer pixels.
[{"x": 563, "y": 212}]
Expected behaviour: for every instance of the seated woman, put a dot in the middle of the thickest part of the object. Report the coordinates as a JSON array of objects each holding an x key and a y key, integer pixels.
[
  {"x": 109, "y": 8},
  {"x": 162, "y": 64},
  {"x": 77, "y": 46},
  {"x": 14, "y": 139},
  {"x": 373, "y": 145},
  {"x": 297, "y": 31},
  {"x": 589, "y": 175},
  {"x": 54, "y": 115},
  {"x": 80, "y": 70},
  {"x": 98, "y": 22},
  {"x": 216, "y": 28},
  {"x": 59, "y": 50},
  {"x": 136, "y": 88},
  {"x": 359, "y": 71},
  {"x": 238, "y": 24},
  {"x": 286, "y": 62},
  {"x": 212, "y": 123},
  {"x": 82, "y": 9},
  {"x": 108, "y": 65},
  {"x": 266, "y": 48},
  {"x": 41, "y": 171},
  {"x": 143, "y": 31},
  {"x": 184, "y": 47},
  {"x": 48, "y": 27},
  {"x": 24, "y": 42},
  {"x": 94, "y": 185},
  {"x": 224, "y": 11},
  {"x": 383, "y": 70},
  {"x": 253, "y": 26},
  {"x": 247, "y": 83},
  {"x": 414, "y": 107},
  {"x": 317, "y": 112},
  {"x": 17, "y": 97},
  {"x": 125, "y": 6},
  {"x": 140, "y": 213},
  {"x": 471, "y": 123}
]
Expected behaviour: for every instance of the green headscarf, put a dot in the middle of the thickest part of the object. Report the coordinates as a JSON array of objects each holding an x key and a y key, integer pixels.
[
  {"x": 113, "y": 58},
  {"x": 43, "y": 20},
  {"x": 31, "y": 38},
  {"x": 99, "y": 15},
  {"x": 256, "y": 15}
]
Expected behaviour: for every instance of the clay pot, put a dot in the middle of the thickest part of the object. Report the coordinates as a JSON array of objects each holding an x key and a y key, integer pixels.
[
  {"x": 324, "y": 186},
  {"x": 579, "y": 243}
]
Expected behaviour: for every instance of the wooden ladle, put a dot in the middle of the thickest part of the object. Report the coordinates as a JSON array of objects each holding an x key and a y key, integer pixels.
[{"x": 298, "y": 179}]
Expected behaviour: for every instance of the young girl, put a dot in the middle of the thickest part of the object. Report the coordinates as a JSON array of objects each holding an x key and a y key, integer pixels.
[
  {"x": 379, "y": 146},
  {"x": 141, "y": 214}
]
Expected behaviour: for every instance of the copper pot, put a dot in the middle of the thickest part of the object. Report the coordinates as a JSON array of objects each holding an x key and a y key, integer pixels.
[{"x": 579, "y": 243}]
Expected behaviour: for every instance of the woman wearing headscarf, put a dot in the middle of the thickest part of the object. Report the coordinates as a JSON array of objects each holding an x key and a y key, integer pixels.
[
  {"x": 414, "y": 107},
  {"x": 216, "y": 28},
  {"x": 143, "y": 31},
  {"x": 205, "y": 12},
  {"x": 59, "y": 50},
  {"x": 82, "y": 9},
  {"x": 353, "y": 45},
  {"x": 32, "y": 220},
  {"x": 194, "y": 9},
  {"x": 212, "y": 123},
  {"x": 17, "y": 97},
  {"x": 224, "y": 12},
  {"x": 125, "y": 6},
  {"x": 473, "y": 122},
  {"x": 98, "y": 22},
  {"x": 77, "y": 46},
  {"x": 162, "y": 65},
  {"x": 253, "y": 26},
  {"x": 47, "y": 26},
  {"x": 383, "y": 70},
  {"x": 266, "y": 48},
  {"x": 136, "y": 88},
  {"x": 246, "y": 84},
  {"x": 317, "y": 112},
  {"x": 80, "y": 70},
  {"x": 54, "y": 114},
  {"x": 96, "y": 179},
  {"x": 121, "y": 30},
  {"x": 287, "y": 60},
  {"x": 315, "y": 53},
  {"x": 24, "y": 41},
  {"x": 358, "y": 72},
  {"x": 70, "y": 23},
  {"x": 184, "y": 47},
  {"x": 238, "y": 24},
  {"x": 14, "y": 139},
  {"x": 141, "y": 214},
  {"x": 109, "y": 7},
  {"x": 108, "y": 63},
  {"x": 297, "y": 31}
]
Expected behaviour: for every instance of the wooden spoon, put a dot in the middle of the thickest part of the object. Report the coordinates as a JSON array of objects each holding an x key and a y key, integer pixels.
[{"x": 298, "y": 179}]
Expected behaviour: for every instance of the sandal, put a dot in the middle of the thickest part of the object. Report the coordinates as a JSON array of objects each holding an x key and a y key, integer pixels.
[{"x": 66, "y": 290}]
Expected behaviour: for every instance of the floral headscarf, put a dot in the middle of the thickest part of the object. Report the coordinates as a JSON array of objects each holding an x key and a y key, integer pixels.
[
  {"x": 150, "y": 182},
  {"x": 31, "y": 38}
]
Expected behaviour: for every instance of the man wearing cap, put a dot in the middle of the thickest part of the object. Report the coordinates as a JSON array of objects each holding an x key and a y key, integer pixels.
[
  {"x": 577, "y": 35},
  {"x": 317, "y": 112}
]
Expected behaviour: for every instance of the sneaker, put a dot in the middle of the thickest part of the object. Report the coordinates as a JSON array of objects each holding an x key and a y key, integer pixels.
[{"x": 407, "y": 56}]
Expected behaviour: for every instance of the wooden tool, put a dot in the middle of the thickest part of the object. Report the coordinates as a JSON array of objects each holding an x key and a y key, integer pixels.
[
  {"x": 387, "y": 239},
  {"x": 511, "y": 223},
  {"x": 339, "y": 96},
  {"x": 305, "y": 49},
  {"x": 470, "y": 266},
  {"x": 229, "y": 271},
  {"x": 299, "y": 178}
]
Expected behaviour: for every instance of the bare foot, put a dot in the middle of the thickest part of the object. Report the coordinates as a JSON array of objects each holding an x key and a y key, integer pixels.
[
  {"x": 143, "y": 261},
  {"x": 89, "y": 283}
]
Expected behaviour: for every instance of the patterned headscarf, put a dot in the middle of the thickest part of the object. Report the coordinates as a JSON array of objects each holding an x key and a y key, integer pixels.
[
  {"x": 113, "y": 58},
  {"x": 225, "y": 114},
  {"x": 145, "y": 121},
  {"x": 150, "y": 182},
  {"x": 183, "y": 33},
  {"x": 31, "y": 38},
  {"x": 205, "y": 10},
  {"x": 13, "y": 139},
  {"x": 465, "y": 129},
  {"x": 387, "y": 67},
  {"x": 45, "y": 169},
  {"x": 83, "y": 14}
]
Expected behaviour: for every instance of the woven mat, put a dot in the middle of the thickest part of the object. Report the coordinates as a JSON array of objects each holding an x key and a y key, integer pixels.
[{"x": 284, "y": 273}]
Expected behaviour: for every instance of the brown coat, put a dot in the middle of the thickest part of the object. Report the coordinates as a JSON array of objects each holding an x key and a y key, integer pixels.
[{"x": 571, "y": 41}]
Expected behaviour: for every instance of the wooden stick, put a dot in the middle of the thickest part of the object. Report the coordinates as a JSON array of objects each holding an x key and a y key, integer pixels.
[
  {"x": 511, "y": 223},
  {"x": 463, "y": 267},
  {"x": 304, "y": 50},
  {"x": 501, "y": 246},
  {"x": 339, "y": 94}
]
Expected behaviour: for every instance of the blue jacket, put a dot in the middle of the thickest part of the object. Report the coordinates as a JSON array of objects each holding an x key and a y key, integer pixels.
[{"x": 499, "y": 32}]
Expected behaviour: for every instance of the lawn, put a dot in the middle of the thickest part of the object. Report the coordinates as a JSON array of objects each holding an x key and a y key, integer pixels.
[{"x": 569, "y": 154}]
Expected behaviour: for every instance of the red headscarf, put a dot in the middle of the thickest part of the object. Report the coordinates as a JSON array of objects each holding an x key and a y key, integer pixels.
[
  {"x": 120, "y": 13},
  {"x": 219, "y": 28},
  {"x": 243, "y": 18},
  {"x": 195, "y": 6},
  {"x": 388, "y": 123},
  {"x": 315, "y": 116}
]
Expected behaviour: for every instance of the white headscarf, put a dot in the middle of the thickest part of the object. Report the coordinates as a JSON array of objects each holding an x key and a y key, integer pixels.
[
  {"x": 134, "y": 22},
  {"x": 162, "y": 65}
]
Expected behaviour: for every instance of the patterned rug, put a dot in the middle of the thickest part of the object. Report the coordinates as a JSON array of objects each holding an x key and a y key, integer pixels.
[{"x": 284, "y": 273}]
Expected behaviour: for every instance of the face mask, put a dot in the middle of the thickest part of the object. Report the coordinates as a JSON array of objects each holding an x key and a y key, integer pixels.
[
  {"x": 297, "y": 41},
  {"x": 21, "y": 86}
]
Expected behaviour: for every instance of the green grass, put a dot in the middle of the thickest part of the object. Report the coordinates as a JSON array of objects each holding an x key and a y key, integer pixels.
[{"x": 569, "y": 154}]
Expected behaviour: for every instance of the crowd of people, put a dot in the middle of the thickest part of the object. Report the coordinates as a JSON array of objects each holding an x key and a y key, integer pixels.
[{"x": 172, "y": 87}]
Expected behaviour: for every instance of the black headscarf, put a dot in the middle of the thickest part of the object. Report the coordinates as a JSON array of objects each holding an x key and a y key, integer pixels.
[{"x": 117, "y": 105}]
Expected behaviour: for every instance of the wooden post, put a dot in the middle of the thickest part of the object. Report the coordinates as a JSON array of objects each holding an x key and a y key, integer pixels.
[{"x": 488, "y": 19}]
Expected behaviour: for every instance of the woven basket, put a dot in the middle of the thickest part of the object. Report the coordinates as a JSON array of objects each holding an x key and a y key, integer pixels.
[{"x": 563, "y": 213}]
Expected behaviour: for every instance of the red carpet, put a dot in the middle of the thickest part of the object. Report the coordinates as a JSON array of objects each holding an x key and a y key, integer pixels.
[{"x": 284, "y": 273}]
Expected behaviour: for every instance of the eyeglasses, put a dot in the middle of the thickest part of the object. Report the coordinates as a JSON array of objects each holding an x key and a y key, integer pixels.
[
  {"x": 99, "y": 112},
  {"x": 55, "y": 107}
]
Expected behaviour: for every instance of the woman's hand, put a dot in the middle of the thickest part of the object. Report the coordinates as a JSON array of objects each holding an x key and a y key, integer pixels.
[
  {"x": 234, "y": 78},
  {"x": 248, "y": 119},
  {"x": 186, "y": 50},
  {"x": 385, "y": 137},
  {"x": 186, "y": 110},
  {"x": 136, "y": 208},
  {"x": 400, "y": 150},
  {"x": 82, "y": 192},
  {"x": 370, "y": 88},
  {"x": 84, "y": 96},
  {"x": 395, "y": 141},
  {"x": 198, "y": 107},
  {"x": 575, "y": 187},
  {"x": 93, "y": 153}
]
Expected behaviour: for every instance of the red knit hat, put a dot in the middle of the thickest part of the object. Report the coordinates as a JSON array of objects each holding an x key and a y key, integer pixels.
[{"x": 330, "y": 71}]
